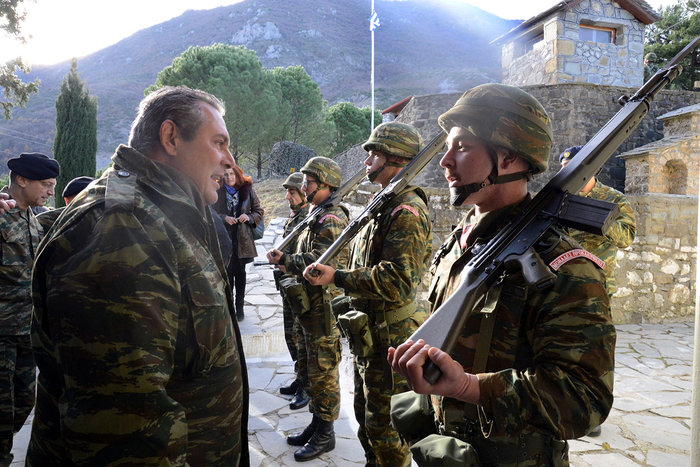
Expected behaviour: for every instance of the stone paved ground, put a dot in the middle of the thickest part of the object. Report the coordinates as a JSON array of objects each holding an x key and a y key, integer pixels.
[{"x": 649, "y": 424}]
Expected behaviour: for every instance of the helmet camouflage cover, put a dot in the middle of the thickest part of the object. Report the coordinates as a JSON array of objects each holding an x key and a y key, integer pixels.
[
  {"x": 395, "y": 139},
  {"x": 651, "y": 56},
  {"x": 324, "y": 169},
  {"x": 294, "y": 181},
  {"x": 504, "y": 116}
]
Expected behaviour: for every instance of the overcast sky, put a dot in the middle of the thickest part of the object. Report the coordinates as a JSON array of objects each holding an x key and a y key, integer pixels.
[{"x": 62, "y": 29}]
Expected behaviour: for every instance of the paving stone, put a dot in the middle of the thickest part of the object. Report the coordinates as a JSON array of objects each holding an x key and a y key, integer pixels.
[
  {"x": 259, "y": 378},
  {"x": 678, "y": 411},
  {"x": 259, "y": 300},
  {"x": 273, "y": 443},
  {"x": 609, "y": 459},
  {"x": 262, "y": 402},
  {"x": 655, "y": 457}
]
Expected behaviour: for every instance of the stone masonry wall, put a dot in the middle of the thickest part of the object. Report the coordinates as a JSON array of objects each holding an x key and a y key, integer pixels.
[
  {"x": 562, "y": 57},
  {"x": 656, "y": 274}
]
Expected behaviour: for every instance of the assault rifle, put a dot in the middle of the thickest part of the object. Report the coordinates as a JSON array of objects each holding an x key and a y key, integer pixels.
[
  {"x": 555, "y": 203},
  {"x": 315, "y": 215},
  {"x": 395, "y": 186}
]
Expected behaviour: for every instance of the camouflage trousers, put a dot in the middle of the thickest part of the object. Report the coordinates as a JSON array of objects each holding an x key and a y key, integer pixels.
[
  {"x": 291, "y": 330},
  {"x": 17, "y": 387},
  {"x": 375, "y": 383},
  {"x": 318, "y": 360}
]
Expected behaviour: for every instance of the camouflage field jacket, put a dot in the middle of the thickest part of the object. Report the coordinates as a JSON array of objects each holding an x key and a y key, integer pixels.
[
  {"x": 550, "y": 360},
  {"x": 21, "y": 234},
  {"x": 140, "y": 362}
]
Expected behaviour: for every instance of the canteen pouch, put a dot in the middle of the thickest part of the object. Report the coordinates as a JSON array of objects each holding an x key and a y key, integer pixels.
[
  {"x": 340, "y": 305},
  {"x": 444, "y": 451},
  {"x": 412, "y": 416},
  {"x": 356, "y": 326},
  {"x": 296, "y": 295}
]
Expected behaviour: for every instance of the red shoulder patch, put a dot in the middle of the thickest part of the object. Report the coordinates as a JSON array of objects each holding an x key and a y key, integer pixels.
[
  {"x": 564, "y": 258},
  {"x": 407, "y": 207},
  {"x": 332, "y": 216}
]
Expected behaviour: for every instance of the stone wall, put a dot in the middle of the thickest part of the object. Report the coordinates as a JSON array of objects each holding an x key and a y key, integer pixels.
[
  {"x": 656, "y": 274},
  {"x": 561, "y": 56}
]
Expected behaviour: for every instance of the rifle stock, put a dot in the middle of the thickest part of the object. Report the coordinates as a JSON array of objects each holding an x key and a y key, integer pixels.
[
  {"x": 514, "y": 243},
  {"x": 397, "y": 184}
]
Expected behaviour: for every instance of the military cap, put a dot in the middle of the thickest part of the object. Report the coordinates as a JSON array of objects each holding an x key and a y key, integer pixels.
[
  {"x": 395, "y": 139},
  {"x": 324, "y": 169},
  {"x": 294, "y": 181},
  {"x": 504, "y": 116},
  {"x": 34, "y": 166},
  {"x": 76, "y": 185},
  {"x": 569, "y": 154}
]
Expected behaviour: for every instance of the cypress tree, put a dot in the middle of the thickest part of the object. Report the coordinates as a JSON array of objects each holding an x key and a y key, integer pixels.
[{"x": 75, "y": 143}]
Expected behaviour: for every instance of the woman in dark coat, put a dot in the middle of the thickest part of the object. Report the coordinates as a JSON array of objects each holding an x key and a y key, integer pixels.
[{"x": 239, "y": 208}]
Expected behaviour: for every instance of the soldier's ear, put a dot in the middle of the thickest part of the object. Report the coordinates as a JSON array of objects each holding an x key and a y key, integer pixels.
[
  {"x": 21, "y": 181},
  {"x": 169, "y": 136}
]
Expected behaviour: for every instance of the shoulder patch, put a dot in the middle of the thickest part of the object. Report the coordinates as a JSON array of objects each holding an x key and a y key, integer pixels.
[
  {"x": 404, "y": 206},
  {"x": 332, "y": 216},
  {"x": 564, "y": 258}
]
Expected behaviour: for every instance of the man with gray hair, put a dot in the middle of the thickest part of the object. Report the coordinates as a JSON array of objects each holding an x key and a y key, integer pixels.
[{"x": 140, "y": 361}]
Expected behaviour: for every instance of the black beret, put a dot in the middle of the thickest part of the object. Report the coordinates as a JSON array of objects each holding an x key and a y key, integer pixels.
[
  {"x": 568, "y": 154},
  {"x": 34, "y": 166},
  {"x": 76, "y": 185}
]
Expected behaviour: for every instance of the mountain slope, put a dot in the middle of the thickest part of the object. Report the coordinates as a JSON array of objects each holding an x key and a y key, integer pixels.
[{"x": 421, "y": 48}]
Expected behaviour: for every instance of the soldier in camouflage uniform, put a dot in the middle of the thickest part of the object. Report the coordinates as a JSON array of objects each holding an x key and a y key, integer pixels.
[
  {"x": 140, "y": 360},
  {"x": 32, "y": 181},
  {"x": 531, "y": 368},
  {"x": 299, "y": 207},
  {"x": 620, "y": 235},
  {"x": 75, "y": 186},
  {"x": 319, "y": 355},
  {"x": 387, "y": 261}
]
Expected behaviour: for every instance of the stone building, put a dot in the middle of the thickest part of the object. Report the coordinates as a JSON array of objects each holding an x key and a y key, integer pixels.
[
  {"x": 656, "y": 275},
  {"x": 579, "y": 41}
]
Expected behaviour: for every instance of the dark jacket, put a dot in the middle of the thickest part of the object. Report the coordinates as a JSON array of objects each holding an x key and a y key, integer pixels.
[{"x": 241, "y": 234}]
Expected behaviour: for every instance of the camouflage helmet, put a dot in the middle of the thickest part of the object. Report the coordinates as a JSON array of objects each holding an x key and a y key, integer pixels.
[
  {"x": 651, "y": 56},
  {"x": 395, "y": 139},
  {"x": 294, "y": 181},
  {"x": 504, "y": 116},
  {"x": 324, "y": 169}
]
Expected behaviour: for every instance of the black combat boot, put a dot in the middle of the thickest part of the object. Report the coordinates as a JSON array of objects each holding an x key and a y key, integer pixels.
[
  {"x": 239, "y": 310},
  {"x": 291, "y": 389},
  {"x": 301, "y": 399},
  {"x": 300, "y": 439},
  {"x": 323, "y": 440}
]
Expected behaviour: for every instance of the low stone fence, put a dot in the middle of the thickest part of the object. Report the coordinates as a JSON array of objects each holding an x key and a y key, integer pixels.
[{"x": 656, "y": 274}]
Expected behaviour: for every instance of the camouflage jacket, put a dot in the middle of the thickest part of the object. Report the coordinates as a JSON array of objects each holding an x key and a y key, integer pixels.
[
  {"x": 550, "y": 360},
  {"x": 21, "y": 234},
  {"x": 311, "y": 244},
  {"x": 295, "y": 217},
  {"x": 47, "y": 218},
  {"x": 620, "y": 235},
  {"x": 389, "y": 255},
  {"x": 140, "y": 362}
]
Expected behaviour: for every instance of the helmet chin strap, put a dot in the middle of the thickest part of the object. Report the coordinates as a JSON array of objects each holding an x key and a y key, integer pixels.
[
  {"x": 372, "y": 176},
  {"x": 459, "y": 194}
]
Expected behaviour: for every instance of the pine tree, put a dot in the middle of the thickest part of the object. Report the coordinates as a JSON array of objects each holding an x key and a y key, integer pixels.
[{"x": 75, "y": 143}]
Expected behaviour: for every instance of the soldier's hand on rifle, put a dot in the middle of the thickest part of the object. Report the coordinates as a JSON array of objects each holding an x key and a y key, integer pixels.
[
  {"x": 274, "y": 256},
  {"x": 325, "y": 274},
  {"x": 6, "y": 203},
  {"x": 408, "y": 360}
]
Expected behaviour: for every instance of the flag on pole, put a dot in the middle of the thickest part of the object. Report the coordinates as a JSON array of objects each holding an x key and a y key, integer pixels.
[{"x": 374, "y": 21}]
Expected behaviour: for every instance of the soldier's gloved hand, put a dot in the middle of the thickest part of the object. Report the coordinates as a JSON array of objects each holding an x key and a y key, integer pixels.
[
  {"x": 6, "y": 203},
  {"x": 325, "y": 274},
  {"x": 408, "y": 360}
]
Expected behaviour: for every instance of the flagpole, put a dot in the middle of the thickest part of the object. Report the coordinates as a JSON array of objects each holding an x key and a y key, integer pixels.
[{"x": 372, "y": 73}]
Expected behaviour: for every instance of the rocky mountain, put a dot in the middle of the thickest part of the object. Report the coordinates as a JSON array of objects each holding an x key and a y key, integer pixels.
[{"x": 421, "y": 47}]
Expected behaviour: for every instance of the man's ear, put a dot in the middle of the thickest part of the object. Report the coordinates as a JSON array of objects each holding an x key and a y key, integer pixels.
[
  {"x": 169, "y": 137},
  {"x": 21, "y": 181}
]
